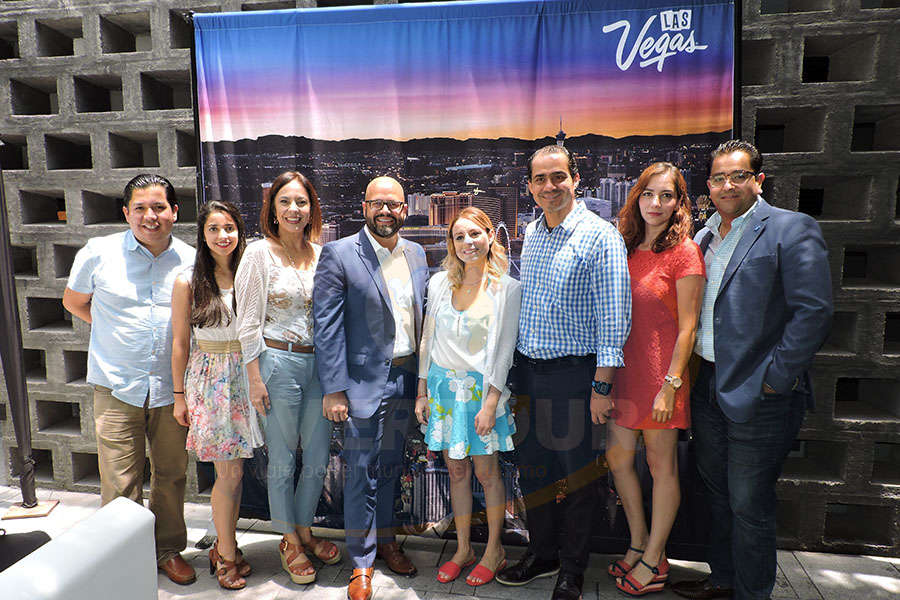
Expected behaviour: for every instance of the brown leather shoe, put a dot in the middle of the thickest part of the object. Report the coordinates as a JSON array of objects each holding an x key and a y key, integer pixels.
[
  {"x": 700, "y": 590},
  {"x": 177, "y": 569},
  {"x": 360, "y": 587},
  {"x": 396, "y": 561}
]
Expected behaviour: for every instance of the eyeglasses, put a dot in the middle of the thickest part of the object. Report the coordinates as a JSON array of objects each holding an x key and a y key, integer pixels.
[
  {"x": 735, "y": 177},
  {"x": 391, "y": 204}
]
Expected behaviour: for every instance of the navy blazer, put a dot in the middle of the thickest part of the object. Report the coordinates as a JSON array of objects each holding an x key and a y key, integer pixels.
[
  {"x": 773, "y": 310},
  {"x": 354, "y": 325}
]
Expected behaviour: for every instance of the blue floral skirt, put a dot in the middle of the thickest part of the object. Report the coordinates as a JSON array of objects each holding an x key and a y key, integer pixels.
[{"x": 454, "y": 398}]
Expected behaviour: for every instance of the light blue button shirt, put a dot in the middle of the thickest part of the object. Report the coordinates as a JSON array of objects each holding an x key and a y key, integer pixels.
[
  {"x": 131, "y": 336},
  {"x": 576, "y": 291},
  {"x": 717, "y": 257}
]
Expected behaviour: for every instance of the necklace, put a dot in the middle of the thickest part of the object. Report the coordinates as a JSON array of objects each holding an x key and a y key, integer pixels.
[
  {"x": 288, "y": 253},
  {"x": 469, "y": 289},
  {"x": 304, "y": 291},
  {"x": 473, "y": 283}
]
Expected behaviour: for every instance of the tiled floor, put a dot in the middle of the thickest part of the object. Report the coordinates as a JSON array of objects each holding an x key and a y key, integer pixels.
[{"x": 801, "y": 575}]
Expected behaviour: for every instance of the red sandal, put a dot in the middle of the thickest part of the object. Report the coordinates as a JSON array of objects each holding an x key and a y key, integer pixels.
[
  {"x": 632, "y": 586},
  {"x": 484, "y": 574},
  {"x": 450, "y": 570},
  {"x": 620, "y": 568}
]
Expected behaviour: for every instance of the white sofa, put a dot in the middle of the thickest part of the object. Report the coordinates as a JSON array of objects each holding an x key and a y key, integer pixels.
[{"x": 111, "y": 554}]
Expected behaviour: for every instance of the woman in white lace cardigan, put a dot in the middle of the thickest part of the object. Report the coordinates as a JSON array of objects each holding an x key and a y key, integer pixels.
[
  {"x": 274, "y": 286},
  {"x": 470, "y": 331}
]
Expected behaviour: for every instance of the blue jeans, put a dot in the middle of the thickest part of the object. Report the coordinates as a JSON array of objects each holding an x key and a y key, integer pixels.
[
  {"x": 295, "y": 399},
  {"x": 740, "y": 464}
]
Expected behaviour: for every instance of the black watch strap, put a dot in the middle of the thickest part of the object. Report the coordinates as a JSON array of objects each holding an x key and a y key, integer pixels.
[{"x": 602, "y": 387}]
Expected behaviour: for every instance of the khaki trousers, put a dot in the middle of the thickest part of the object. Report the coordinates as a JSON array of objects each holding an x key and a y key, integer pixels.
[{"x": 121, "y": 429}]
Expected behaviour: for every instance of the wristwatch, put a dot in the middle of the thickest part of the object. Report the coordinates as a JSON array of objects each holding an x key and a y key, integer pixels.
[
  {"x": 602, "y": 387},
  {"x": 673, "y": 380}
]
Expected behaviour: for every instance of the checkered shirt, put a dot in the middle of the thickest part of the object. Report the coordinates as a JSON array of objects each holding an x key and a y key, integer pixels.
[{"x": 576, "y": 292}]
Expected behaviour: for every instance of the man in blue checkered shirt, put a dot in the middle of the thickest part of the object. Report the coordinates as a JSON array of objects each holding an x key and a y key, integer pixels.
[{"x": 575, "y": 318}]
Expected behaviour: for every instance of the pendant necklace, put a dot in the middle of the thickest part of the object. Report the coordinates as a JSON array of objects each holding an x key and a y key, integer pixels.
[{"x": 307, "y": 304}]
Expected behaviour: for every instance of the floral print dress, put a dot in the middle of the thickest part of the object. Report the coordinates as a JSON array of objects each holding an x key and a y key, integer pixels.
[{"x": 223, "y": 424}]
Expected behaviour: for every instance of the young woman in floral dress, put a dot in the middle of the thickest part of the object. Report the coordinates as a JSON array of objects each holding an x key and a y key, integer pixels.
[{"x": 210, "y": 386}]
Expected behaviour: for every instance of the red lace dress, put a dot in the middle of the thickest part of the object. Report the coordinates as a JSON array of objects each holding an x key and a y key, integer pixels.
[{"x": 654, "y": 328}]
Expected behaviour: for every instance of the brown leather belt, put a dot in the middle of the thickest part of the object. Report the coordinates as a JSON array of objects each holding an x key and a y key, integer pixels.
[
  {"x": 401, "y": 360},
  {"x": 290, "y": 347}
]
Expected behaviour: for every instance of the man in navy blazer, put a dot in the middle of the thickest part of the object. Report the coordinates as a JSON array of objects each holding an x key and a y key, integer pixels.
[
  {"x": 766, "y": 311},
  {"x": 368, "y": 303}
]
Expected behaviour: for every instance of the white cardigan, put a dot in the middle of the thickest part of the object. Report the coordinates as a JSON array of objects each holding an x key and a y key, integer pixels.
[
  {"x": 251, "y": 286},
  {"x": 502, "y": 333}
]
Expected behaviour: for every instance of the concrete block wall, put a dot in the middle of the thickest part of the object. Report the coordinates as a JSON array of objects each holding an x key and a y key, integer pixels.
[
  {"x": 92, "y": 93},
  {"x": 820, "y": 99}
]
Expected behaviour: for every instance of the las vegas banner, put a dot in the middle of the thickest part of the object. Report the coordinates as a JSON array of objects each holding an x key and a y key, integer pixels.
[{"x": 451, "y": 99}]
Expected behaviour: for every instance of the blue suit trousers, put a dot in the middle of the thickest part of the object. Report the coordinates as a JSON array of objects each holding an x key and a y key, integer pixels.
[{"x": 373, "y": 454}]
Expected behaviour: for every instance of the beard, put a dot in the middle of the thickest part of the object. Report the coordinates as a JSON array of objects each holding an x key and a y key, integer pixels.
[{"x": 385, "y": 230}]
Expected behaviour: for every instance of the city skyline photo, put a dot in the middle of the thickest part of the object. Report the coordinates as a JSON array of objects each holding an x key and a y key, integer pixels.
[{"x": 452, "y": 98}]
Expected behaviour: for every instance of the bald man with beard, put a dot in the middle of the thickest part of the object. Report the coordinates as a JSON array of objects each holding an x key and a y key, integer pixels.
[{"x": 368, "y": 304}]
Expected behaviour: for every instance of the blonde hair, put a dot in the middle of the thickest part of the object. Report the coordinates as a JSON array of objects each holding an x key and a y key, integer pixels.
[{"x": 497, "y": 262}]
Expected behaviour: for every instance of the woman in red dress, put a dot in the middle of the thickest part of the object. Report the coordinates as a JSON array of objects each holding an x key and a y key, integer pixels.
[{"x": 651, "y": 392}]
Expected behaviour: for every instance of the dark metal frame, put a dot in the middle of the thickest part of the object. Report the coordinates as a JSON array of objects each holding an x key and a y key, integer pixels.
[
  {"x": 13, "y": 362},
  {"x": 201, "y": 184}
]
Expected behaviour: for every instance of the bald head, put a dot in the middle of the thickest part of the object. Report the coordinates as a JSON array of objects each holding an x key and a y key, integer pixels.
[
  {"x": 380, "y": 186},
  {"x": 385, "y": 209}
]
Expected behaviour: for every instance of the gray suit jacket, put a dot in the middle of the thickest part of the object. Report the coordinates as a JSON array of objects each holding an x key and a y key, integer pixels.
[
  {"x": 354, "y": 325},
  {"x": 773, "y": 310}
]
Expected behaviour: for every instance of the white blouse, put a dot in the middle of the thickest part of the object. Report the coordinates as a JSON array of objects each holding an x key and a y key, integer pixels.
[
  {"x": 273, "y": 301},
  {"x": 494, "y": 360},
  {"x": 221, "y": 333},
  {"x": 460, "y": 336}
]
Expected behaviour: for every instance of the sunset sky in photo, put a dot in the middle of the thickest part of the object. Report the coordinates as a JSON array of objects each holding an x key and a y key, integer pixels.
[{"x": 460, "y": 70}]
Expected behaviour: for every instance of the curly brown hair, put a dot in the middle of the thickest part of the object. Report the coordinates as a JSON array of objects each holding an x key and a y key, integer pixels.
[{"x": 631, "y": 223}]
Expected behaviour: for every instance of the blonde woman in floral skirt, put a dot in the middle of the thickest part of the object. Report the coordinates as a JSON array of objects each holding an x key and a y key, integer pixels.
[{"x": 469, "y": 336}]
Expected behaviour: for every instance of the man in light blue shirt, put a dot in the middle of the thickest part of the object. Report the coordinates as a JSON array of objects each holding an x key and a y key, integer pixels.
[
  {"x": 575, "y": 318},
  {"x": 720, "y": 245},
  {"x": 122, "y": 285}
]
